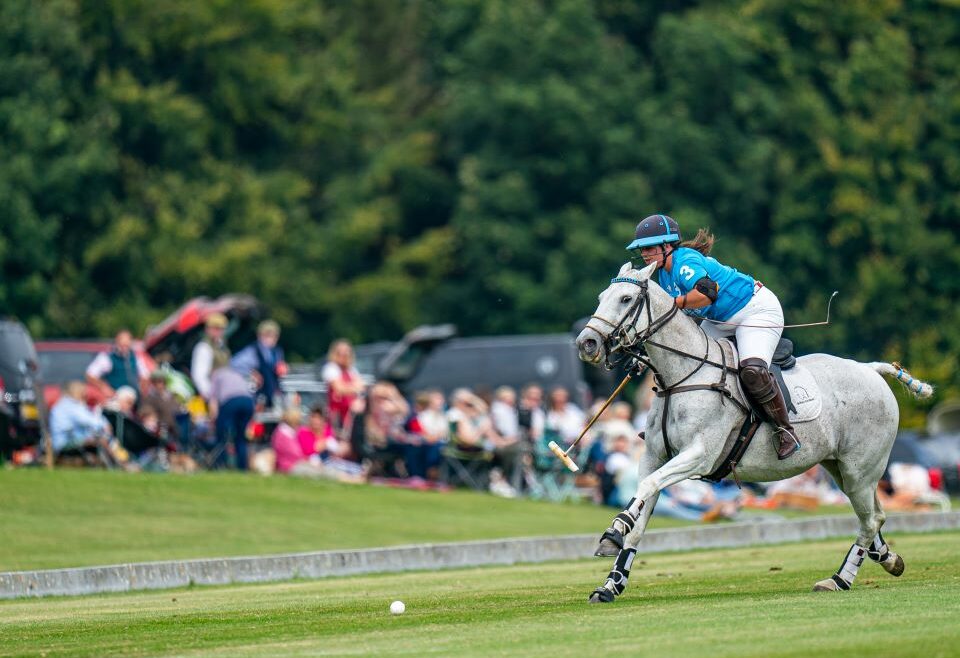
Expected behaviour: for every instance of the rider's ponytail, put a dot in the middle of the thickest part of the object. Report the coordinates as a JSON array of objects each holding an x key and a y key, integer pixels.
[{"x": 702, "y": 242}]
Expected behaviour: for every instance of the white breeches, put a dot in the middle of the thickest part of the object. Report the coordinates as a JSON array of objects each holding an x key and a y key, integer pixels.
[{"x": 765, "y": 317}]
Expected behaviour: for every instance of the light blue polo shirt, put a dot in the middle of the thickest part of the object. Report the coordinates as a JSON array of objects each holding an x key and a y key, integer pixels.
[{"x": 689, "y": 266}]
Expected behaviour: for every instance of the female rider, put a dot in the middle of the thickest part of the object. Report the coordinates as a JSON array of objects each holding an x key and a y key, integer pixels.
[{"x": 729, "y": 302}]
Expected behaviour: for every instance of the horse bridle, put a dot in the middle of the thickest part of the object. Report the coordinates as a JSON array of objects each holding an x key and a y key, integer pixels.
[{"x": 623, "y": 336}]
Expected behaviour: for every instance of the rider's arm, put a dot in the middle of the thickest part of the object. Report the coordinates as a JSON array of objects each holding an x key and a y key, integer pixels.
[{"x": 703, "y": 294}]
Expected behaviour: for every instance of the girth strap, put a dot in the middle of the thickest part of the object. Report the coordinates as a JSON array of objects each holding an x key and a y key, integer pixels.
[{"x": 729, "y": 463}]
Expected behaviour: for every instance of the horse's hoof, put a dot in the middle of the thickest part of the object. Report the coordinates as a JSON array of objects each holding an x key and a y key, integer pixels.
[
  {"x": 827, "y": 585},
  {"x": 611, "y": 542},
  {"x": 606, "y": 548},
  {"x": 602, "y": 595},
  {"x": 896, "y": 569}
]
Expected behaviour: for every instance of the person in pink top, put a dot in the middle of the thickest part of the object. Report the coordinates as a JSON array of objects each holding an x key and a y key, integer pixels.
[
  {"x": 317, "y": 437},
  {"x": 297, "y": 451}
]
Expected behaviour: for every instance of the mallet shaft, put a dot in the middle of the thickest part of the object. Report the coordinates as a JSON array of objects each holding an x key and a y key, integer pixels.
[{"x": 600, "y": 412}]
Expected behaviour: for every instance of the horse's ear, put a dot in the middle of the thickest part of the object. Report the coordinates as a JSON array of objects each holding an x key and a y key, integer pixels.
[
  {"x": 647, "y": 272},
  {"x": 625, "y": 269}
]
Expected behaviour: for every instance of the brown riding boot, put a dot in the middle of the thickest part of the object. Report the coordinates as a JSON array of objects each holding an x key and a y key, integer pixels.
[
  {"x": 761, "y": 386},
  {"x": 776, "y": 409}
]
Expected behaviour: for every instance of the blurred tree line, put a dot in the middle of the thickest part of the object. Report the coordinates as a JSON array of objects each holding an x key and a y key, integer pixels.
[{"x": 364, "y": 167}]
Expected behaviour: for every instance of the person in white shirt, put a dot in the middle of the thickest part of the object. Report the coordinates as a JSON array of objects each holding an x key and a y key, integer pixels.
[
  {"x": 119, "y": 367},
  {"x": 564, "y": 417},
  {"x": 210, "y": 354}
]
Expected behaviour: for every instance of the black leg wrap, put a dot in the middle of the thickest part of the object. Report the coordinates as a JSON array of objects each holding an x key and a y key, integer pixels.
[
  {"x": 841, "y": 583},
  {"x": 627, "y": 520},
  {"x": 878, "y": 549},
  {"x": 621, "y": 570}
]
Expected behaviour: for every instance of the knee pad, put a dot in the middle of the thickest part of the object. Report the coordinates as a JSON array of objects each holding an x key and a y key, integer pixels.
[{"x": 757, "y": 379}]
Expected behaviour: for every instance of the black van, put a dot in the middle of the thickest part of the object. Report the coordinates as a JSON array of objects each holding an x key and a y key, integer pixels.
[
  {"x": 19, "y": 411},
  {"x": 431, "y": 357}
]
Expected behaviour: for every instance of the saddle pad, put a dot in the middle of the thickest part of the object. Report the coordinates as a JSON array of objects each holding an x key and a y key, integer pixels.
[
  {"x": 804, "y": 393},
  {"x": 803, "y": 389}
]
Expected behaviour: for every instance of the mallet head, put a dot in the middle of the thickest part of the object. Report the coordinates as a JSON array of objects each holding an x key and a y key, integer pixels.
[{"x": 567, "y": 461}]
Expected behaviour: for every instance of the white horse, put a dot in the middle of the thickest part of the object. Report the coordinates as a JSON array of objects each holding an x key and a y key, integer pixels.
[{"x": 851, "y": 435}]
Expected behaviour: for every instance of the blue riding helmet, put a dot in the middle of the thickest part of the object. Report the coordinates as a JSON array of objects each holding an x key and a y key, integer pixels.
[{"x": 654, "y": 230}]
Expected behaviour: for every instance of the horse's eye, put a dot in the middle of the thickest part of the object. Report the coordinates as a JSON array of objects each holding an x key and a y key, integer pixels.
[{"x": 625, "y": 299}]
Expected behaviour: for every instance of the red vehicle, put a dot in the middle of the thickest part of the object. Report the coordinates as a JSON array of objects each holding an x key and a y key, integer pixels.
[
  {"x": 66, "y": 359},
  {"x": 173, "y": 339}
]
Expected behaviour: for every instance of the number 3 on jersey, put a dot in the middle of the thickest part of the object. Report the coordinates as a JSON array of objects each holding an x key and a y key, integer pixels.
[{"x": 686, "y": 272}]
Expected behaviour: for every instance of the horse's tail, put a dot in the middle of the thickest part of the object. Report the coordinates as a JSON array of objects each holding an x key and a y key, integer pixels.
[{"x": 918, "y": 388}]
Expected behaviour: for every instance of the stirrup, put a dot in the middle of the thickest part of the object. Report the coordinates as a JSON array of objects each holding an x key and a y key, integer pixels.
[{"x": 780, "y": 431}]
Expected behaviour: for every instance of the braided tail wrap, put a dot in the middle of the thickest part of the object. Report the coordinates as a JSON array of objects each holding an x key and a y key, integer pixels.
[{"x": 918, "y": 388}]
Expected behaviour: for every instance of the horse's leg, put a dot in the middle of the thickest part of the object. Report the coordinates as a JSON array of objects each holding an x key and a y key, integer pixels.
[
  {"x": 879, "y": 551},
  {"x": 861, "y": 492},
  {"x": 616, "y": 581},
  {"x": 681, "y": 467}
]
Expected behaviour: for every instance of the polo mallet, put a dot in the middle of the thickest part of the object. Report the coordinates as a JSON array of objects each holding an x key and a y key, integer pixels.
[{"x": 562, "y": 454}]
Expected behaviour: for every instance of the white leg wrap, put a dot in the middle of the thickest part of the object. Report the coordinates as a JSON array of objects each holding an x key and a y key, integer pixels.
[
  {"x": 851, "y": 565},
  {"x": 879, "y": 551}
]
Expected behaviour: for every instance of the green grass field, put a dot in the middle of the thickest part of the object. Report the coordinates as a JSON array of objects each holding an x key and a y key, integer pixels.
[
  {"x": 744, "y": 602},
  {"x": 70, "y": 518},
  {"x": 83, "y": 517}
]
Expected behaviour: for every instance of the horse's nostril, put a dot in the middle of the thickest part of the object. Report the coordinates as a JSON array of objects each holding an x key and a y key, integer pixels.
[{"x": 590, "y": 346}]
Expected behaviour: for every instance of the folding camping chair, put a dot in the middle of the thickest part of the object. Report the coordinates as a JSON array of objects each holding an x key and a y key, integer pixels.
[
  {"x": 468, "y": 468},
  {"x": 551, "y": 479}
]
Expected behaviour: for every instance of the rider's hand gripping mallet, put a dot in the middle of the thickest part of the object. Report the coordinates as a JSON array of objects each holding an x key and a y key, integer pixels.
[{"x": 562, "y": 454}]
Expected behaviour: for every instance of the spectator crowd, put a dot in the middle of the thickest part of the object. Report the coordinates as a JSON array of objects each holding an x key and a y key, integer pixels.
[{"x": 231, "y": 412}]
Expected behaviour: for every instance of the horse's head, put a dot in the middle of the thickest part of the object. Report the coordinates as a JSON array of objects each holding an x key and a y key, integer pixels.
[{"x": 622, "y": 317}]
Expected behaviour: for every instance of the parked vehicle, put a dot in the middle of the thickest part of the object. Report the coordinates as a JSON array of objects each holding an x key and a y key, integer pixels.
[
  {"x": 173, "y": 339},
  {"x": 19, "y": 370},
  {"x": 939, "y": 454},
  {"x": 66, "y": 359},
  {"x": 431, "y": 357}
]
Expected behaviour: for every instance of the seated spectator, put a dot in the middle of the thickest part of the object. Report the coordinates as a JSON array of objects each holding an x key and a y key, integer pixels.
[
  {"x": 165, "y": 405},
  {"x": 621, "y": 457},
  {"x": 690, "y": 500},
  {"x": 75, "y": 428},
  {"x": 698, "y": 500},
  {"x": 912, "y": 490},
  {"x": 531, "y": 416},
  {"x": 344, "y": 384},
  {"x": 507, "y": 444},
  {"x": 428, "y": 432},
  {"x": 564, "y": 419},
  {"x": 296, "y": 451},
  {"x": 806, "y": 491},
  {"x": 319, "y": 442},
  {"x": 266, "y": 357},
  {"x": 471, "y": 429},
  {"x": 119, "y": 367},
  {"x": 124, "y": 401},
  {"x": 377, "y": 432},
  {"x": 613, "y": 423},
  {"x": 231, "y": 408}
]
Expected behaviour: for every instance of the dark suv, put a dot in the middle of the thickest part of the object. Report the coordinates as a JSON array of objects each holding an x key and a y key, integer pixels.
[
  {"x": 19, "y": 413},
  {"x": 432, "y": 357}
]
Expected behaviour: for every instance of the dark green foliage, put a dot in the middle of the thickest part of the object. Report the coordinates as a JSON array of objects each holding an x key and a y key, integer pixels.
[{"x": 365, "y": 167}]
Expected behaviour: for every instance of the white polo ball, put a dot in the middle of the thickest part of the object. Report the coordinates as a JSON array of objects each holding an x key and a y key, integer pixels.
[{"x": 397, "y": 608}]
